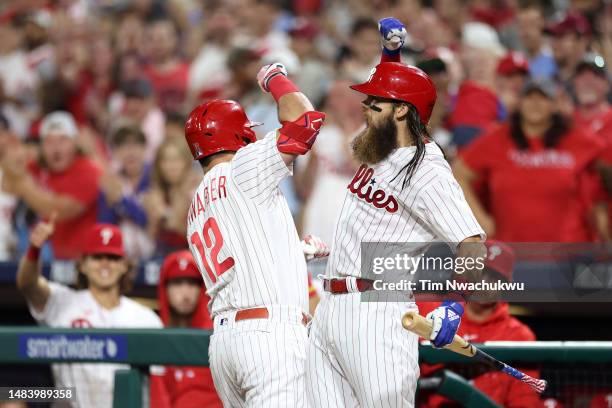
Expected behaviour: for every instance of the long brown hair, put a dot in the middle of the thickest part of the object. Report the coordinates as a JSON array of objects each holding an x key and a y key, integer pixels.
[
  {"x": 559, "y": 126},
  {"x": 420, "y": 134},
  {"x": 126, "y": 283},
  {"x": 157, "y": 177}
]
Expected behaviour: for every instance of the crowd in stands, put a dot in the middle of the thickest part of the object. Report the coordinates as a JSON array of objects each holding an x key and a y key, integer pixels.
[{"x": 94, "y": 95}]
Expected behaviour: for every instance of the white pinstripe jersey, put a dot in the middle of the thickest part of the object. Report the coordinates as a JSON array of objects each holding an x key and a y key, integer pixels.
[
  {"x": 242, "y": 234},
  {"x": 71, "y": 308},
  {"x": 375, "y": 209}
]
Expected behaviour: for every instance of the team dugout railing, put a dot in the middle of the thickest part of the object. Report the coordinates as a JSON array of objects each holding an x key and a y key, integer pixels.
[{"x": 141, "y": 348}]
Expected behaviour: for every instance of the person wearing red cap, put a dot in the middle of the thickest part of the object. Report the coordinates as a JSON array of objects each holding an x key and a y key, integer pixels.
[
  {"x": 570, "y": 40},
  {"x": 105, "y": 271},
  {"x": 512, "y": 73},
  {"x": 183, "y": 303},
  {"x": 491, "y": 321}
]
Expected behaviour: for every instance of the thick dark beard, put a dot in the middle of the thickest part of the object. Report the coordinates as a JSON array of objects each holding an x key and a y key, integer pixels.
[{"x": 375, "y": 143}]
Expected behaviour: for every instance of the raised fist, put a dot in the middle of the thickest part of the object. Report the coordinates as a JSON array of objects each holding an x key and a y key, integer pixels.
[
  {"x": 393, "y": 34},
  {"x": 314, "y": 247},
  {"x": 267, "y": 72},
  {"x": 43, "y": 231}
]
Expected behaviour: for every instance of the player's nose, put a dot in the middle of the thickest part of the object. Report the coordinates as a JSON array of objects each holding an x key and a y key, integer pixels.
[{"x": 365, "y": 110}]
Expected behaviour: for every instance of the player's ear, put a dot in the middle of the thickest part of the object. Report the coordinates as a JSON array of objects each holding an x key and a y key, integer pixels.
[
  {"x": 401, "y": 111},
  {"x": 126, "y": 265}
]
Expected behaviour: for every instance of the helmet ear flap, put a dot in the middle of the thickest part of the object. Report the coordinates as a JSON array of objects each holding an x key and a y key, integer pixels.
[{"x": 216, "y": 126}]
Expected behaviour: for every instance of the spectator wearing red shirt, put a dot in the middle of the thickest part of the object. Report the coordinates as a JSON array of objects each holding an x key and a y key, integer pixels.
[
  {"x": 183, "y": 303},
  {"x": 593, "y": 113},
  {"x": 538, "y": 172},
  {"x": 167, "y": 73},
  {"x": 491, "y": 321},
  {"x": 66, "y": 183},
  {"x": 89, "y": 89},
  {"x": 591, "y": 86},
  {"x": 477, "y": 104}
]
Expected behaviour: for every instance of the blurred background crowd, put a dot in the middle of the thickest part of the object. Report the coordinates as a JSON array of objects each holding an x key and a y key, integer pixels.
[{"x": 94, "y": 94}]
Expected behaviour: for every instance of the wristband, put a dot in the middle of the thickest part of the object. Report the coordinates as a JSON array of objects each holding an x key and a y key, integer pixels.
[
  {"x": 280, "y": 85},
  {"x": 32, "y": 253},
  {"x": 390, "y": 55}
]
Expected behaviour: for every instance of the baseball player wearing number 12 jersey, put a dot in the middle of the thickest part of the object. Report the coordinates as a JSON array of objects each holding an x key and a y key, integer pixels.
[
  {"x": 358, "y": 353},
  {"x": 243, "y": 238}
]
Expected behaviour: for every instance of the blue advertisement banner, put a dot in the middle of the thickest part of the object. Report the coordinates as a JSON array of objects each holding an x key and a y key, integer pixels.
[{"x": 87, "y": 347}]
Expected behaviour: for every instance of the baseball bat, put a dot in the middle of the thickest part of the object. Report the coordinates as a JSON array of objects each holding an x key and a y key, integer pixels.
[{"x": 414, "y": 322}]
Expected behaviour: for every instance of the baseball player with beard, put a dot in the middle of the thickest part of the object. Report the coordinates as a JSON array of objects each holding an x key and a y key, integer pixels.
[
  {"x": 358, "y": 352},
  {"x": 243, "y": 238}
]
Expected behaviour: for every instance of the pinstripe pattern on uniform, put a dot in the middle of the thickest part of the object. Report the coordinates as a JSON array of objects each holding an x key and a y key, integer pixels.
[
  {"x": 358, "y": 355},
  {"x": 431, "y": 208},
  {"x": 258, "y": 362},
  {"x": 251, "y": 219},
  {"x": 358, "y": 351}
]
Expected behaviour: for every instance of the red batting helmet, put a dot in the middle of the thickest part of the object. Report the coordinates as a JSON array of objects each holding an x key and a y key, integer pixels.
[
  {"x": 217, "y": 126},
  {"x": 394, "y": 80}
]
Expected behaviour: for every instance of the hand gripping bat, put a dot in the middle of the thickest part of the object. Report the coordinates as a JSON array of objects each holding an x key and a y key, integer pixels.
[{"x": 414, "y": 322}]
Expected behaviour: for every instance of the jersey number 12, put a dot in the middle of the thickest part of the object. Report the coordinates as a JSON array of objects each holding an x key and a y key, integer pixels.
[{"x": 210, "y": 230}]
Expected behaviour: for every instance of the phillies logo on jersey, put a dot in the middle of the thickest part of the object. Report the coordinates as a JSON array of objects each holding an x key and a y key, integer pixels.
[
  {"x": 81, "y": 324},
  {"x": 362, "y": 186}
]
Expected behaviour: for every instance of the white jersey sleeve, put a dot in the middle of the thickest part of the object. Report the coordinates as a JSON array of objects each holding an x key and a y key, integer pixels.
[
  {"x": 140, "y": 315},
  {"x": 443, "y": 207},
  {"x": 258, "y": 169},
  {"x": 59, "y": 297}
]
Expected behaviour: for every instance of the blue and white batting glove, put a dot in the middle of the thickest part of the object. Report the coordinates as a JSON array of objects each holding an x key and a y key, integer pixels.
[
  {"x": 445, "y": 319},
  {"x": 393, "y": 34},
  {"x": 267, "y": 72}
]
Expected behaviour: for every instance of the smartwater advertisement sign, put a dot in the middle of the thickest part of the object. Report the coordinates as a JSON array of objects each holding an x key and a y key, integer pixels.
[{"x": 89, "y": 347}]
